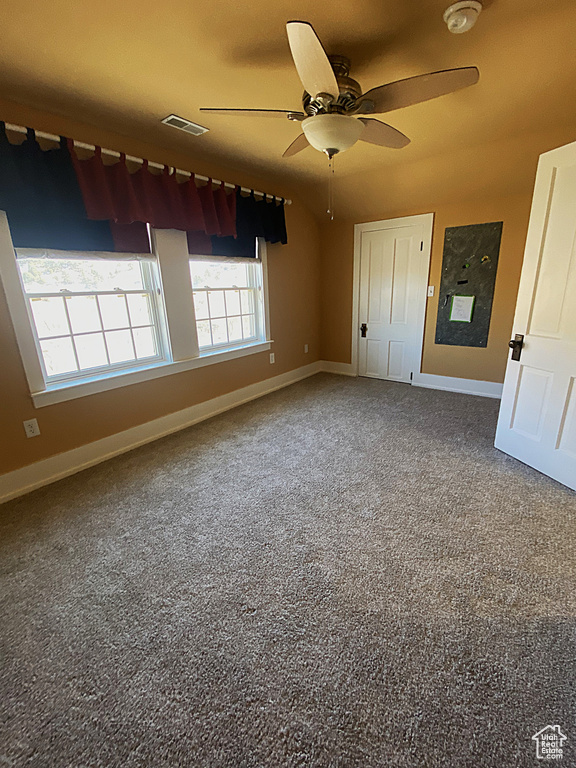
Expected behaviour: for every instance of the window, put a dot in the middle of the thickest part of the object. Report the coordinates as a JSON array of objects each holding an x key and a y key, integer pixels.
[
  {"x": 227, "y": 302},
  {"x": 92, "y": 316},
  {"x": 88, "y": 322}
]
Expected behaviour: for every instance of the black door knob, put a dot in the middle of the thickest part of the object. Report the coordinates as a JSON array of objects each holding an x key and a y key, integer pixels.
[{"x": 516, "y": 345}]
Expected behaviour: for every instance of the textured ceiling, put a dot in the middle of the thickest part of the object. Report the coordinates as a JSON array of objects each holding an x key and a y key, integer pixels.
[{"x": 125, "y": 65}]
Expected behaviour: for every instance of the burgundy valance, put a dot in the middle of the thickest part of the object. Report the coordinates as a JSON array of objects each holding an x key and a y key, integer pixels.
[
  {"x": 54, "y": 199},
  {"x": 127, "y": 199},
  {"x": 159, "y": 199}
]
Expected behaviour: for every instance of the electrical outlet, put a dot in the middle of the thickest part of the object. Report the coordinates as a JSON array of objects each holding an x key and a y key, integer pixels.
[
  {"x": 272, "y": 358},
  {"x": 31, "y": 428},
  {"x": 430, "y": 291},
  {"x": 305, "y": 349}
]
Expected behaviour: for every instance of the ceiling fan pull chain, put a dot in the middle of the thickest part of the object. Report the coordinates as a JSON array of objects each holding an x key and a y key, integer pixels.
[
  {"x": 330, "y": 210},
  {"x": 332, "y": 168}
]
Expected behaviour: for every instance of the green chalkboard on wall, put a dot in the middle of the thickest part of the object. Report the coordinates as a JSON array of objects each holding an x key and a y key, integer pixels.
[{"x": 469, "y": 266}]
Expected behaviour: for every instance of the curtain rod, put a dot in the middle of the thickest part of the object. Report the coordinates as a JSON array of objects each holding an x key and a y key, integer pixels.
[{"x": 114, "y": 153}]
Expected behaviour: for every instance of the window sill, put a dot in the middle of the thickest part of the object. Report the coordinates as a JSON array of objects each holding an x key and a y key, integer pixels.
[{"x": 58, "y": 393}]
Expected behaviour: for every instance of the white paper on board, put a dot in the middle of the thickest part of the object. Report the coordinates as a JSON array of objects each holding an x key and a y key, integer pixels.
[{"x": 461, "y": 309}]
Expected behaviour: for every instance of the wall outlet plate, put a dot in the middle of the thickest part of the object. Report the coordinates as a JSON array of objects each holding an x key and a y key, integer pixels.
[
  {"x": 272, "y": 358},
  {"x": 305, "y": 349},
  {"x": 31, "y": 428}
]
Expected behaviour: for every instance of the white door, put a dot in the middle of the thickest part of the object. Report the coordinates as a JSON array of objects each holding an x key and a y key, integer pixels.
[
  {"x": 537, "y": 421},
  {"x": 393, "y": 284}
]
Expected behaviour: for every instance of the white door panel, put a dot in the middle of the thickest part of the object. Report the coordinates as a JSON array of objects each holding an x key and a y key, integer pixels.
[
  {"x": 403, "y": 247},
  {"x": 393, "y": 290},
  {"x": 552, "y": 311},
  {"x": 537, "y": 421},
  {"x": 567, "y": 435},
  {"x": 531, "y": 403},
  {"x": 396, "y": 360},
  {"x": 372, "y": 364}
]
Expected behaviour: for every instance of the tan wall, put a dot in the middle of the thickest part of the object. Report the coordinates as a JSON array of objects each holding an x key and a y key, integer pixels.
[
  {"x": 294, "y": 320},
  {"x": 487, "y": 364},
  {"x": 472, "y": 186}
]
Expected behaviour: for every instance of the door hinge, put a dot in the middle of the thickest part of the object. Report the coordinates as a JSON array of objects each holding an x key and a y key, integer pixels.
[
  {"x": 411, "y": 375},
  {"x": 422, "y": 245}
]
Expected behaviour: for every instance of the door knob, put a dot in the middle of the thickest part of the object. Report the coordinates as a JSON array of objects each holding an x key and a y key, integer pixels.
[
  {"x": 363, "y": 329},
  {"x": 516, "y": 345}
]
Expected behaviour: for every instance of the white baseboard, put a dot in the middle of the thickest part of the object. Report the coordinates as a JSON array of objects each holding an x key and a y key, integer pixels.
[
  {"x": 344, "y": 369},
  {"x": 429, "y": 381},
  {"x": 451, "y": 384},
  {"x": 27, "y": 479}
]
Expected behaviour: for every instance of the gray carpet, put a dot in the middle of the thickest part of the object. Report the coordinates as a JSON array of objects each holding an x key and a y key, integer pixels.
[{"x": 344, "y": 573}]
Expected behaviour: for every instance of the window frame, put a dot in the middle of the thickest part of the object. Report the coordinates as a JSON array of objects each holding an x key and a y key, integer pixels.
[
  {"x": 182, "y": 352},
  {"x": 151, "y": 286},
  {"x": 255, "y": 285}
]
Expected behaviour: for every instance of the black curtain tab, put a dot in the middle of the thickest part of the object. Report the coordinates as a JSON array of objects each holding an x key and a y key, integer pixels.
[
  {"x": 42, "y": 199},
  {"x": 272, "y": 217},
  {"x": 260, "y": 218},
  {"x": 254, "y": 218},
  {"x": 248, "y": 220},
  {"x": 278, "y": 214}
]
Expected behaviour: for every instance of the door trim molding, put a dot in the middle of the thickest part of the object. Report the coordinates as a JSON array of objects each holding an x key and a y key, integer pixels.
[{"x": 426, "y": 221}]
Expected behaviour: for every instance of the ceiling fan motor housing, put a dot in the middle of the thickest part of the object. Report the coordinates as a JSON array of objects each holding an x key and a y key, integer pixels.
[
  {"x": 332, "y": 133},
  {"x": 349, "y": 89}
]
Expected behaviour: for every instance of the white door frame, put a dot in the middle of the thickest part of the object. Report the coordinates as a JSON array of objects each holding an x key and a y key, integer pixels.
[{"x": 426, "y": 221}]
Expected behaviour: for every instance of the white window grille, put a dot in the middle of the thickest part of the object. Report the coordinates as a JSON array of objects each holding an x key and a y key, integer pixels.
[
  {"x": 228, "y": 302},
  {"x": 91, "y": 316}
]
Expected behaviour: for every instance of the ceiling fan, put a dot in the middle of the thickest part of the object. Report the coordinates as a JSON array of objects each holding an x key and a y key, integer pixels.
[{"x": 334, "y": 107}]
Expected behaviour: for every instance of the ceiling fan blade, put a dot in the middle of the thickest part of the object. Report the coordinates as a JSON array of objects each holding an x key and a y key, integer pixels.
[
  {"x": 299, "y": 143},
  {"x": 256, "y": 113},
  {"x": 312, "y": 64},
  {"x": 414, "y": 90},
  {"x": 382, "y": 134}
]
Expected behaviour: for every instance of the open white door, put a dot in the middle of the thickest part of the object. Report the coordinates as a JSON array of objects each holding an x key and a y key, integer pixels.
[{"x": 537, "y": 421}]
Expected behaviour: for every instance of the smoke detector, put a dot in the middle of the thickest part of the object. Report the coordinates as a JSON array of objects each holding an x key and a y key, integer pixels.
[
  {"x": 184, "y": 125},
  {"x": 461, "y": 16}
]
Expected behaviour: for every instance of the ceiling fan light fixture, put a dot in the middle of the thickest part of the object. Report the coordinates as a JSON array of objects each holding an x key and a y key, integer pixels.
[
  {"x": 461, "y": 16},
  {"x": 332, "y": 133}
]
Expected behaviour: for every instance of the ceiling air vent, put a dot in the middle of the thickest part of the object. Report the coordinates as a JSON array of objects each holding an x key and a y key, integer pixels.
[{"x": 184, "y": 125}]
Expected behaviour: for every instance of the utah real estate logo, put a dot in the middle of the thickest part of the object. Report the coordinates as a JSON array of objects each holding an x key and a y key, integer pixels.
[{"x": 549, "y": 743}]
